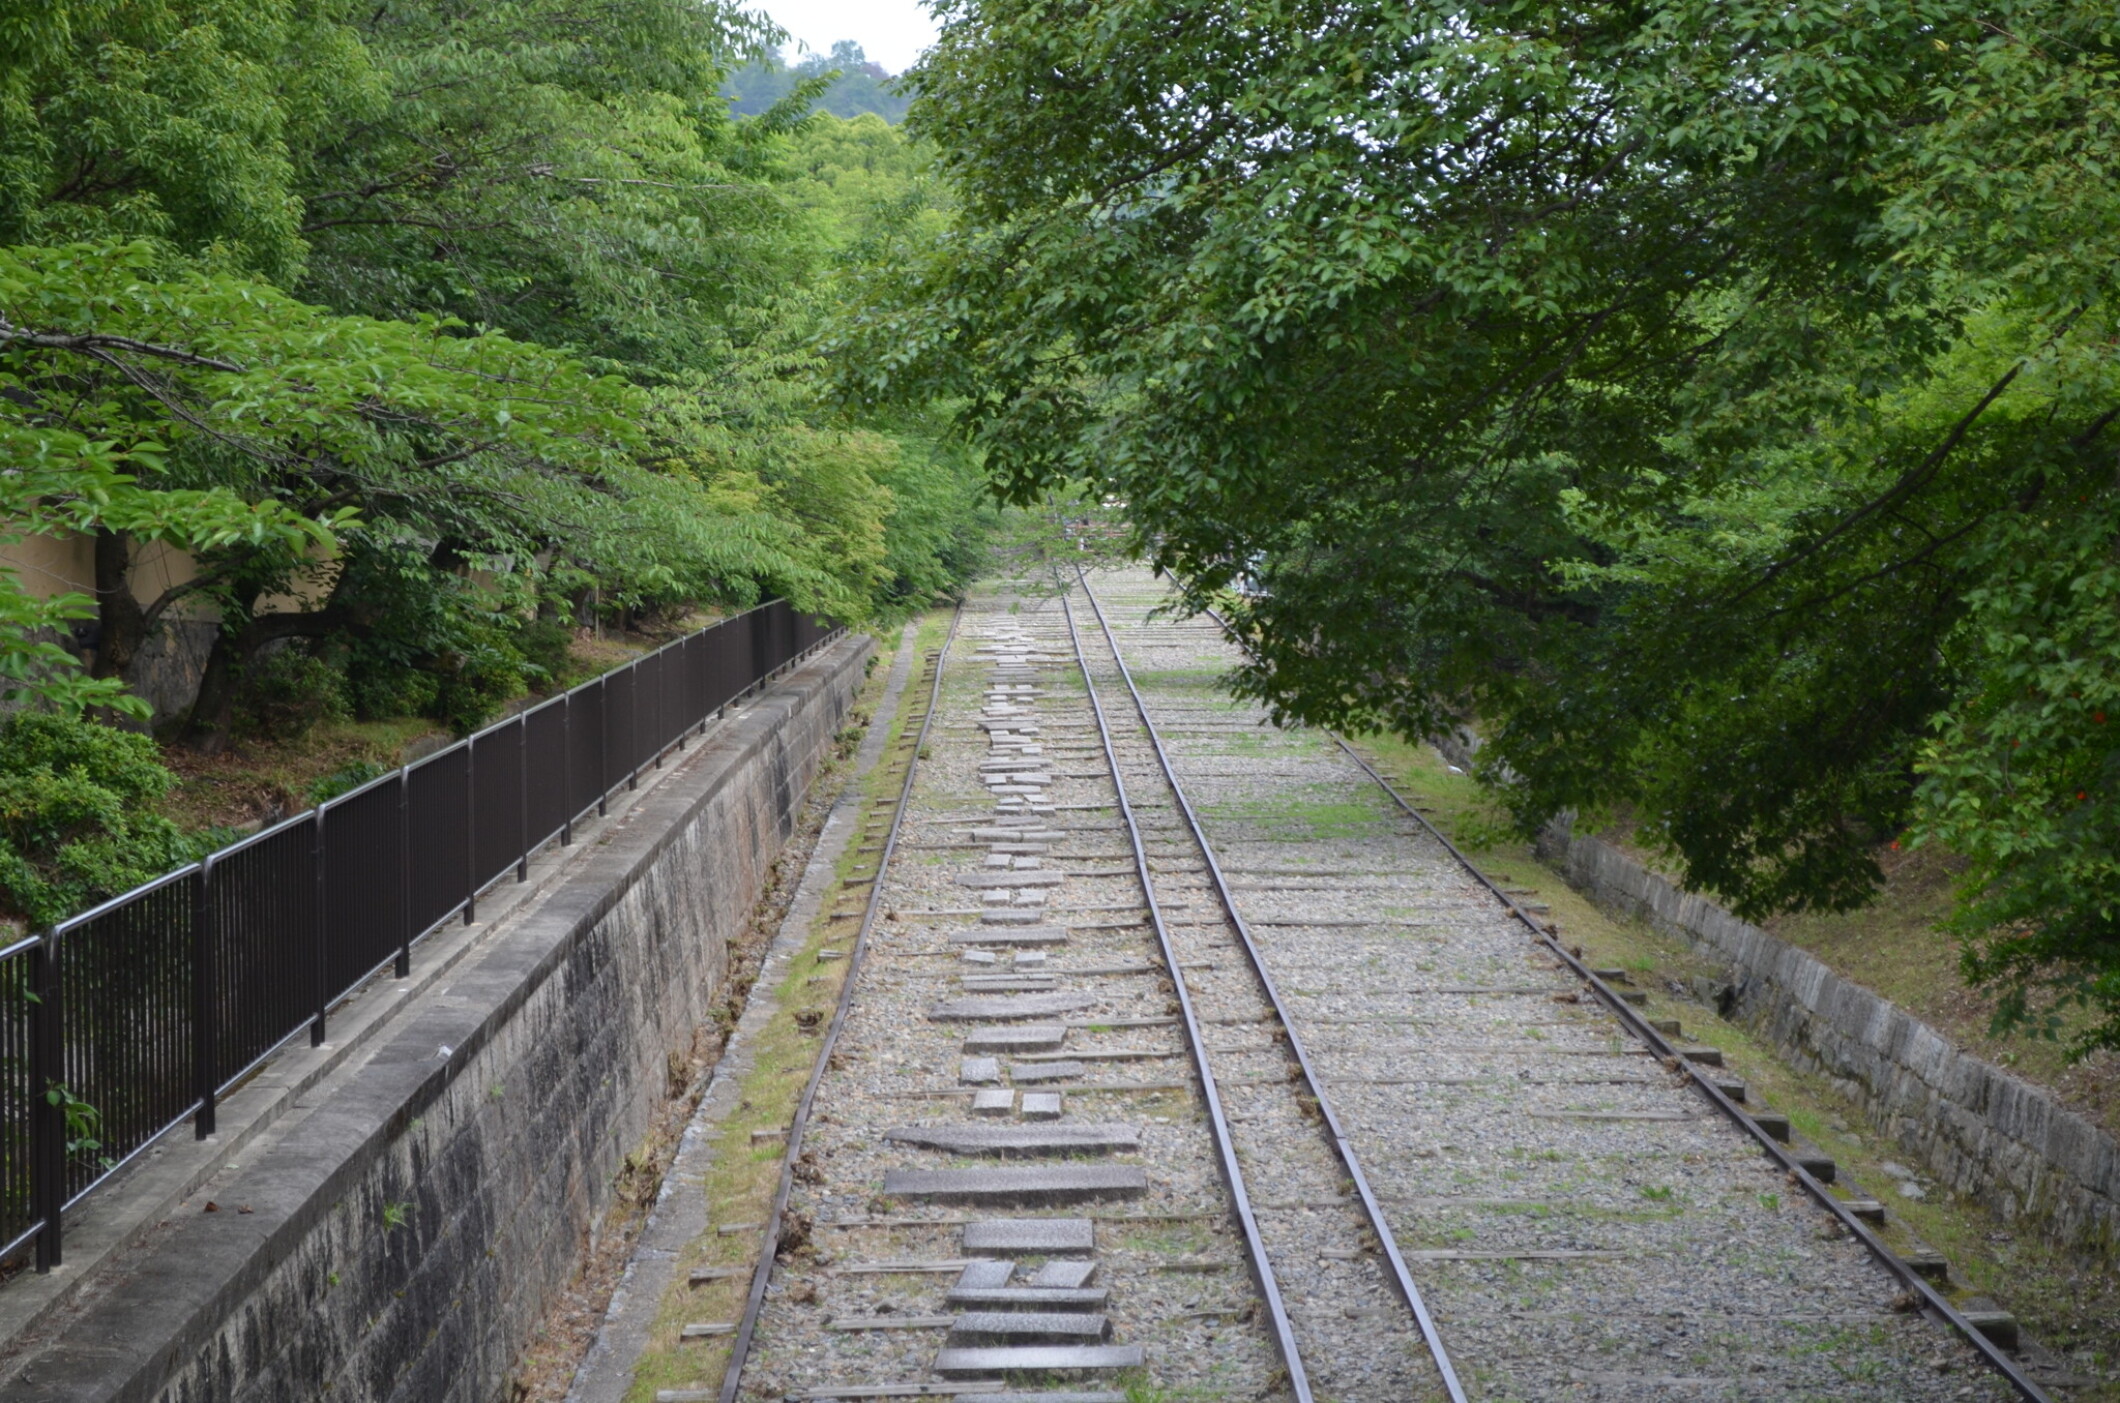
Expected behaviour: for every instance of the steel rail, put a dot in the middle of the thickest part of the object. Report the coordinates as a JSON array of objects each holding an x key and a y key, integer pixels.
[
  {"x": 1402, "y": 1276},
  {"x": 1217, "y": 1123},
  {"x": 769, "y": 1249},
  {"x": 1934, "y": 1304}
]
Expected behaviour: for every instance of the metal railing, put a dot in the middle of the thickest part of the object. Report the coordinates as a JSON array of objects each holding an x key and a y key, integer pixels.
[{"x": 121, "y": 1023}]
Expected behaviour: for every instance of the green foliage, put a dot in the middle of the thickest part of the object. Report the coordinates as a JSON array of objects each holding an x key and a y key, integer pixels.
[
  {"x": 1684, "y": 390},
  {"x": 476, "y": 678},
  {"x": 171, "y": 120},
  {"x": 287, "y": 693},
  {"x": 77, "y": 819},
  {"x": 84, "y": 1124},
  {"x": 2021, "y": 773},
  {"x": 216, "y": 414},
  {"x": 570, "y": 182},
  {"x": 345, "y": 780},
  {"x": 544, "y": 645},
  {"x": 411, "y": 325}
]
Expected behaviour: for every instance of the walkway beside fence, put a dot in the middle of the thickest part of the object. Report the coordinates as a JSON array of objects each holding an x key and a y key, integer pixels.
[{"x": 128, "y": 1020}]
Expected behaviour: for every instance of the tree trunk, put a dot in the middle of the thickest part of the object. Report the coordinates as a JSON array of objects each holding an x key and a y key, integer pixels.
[
  {"x": 121, "y": 622},
  {"x": 213, "y": 714}
]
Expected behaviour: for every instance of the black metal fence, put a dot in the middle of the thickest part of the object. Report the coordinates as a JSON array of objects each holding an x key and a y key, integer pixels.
[{"x": 123, "y": 1022}]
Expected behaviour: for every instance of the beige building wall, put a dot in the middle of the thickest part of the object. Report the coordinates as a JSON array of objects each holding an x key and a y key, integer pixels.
[{"x": 49, "y": 565}]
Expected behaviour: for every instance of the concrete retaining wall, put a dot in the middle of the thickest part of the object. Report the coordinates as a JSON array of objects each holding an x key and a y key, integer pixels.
[
  {"x": 1981, "y": 1131},
  {"x": 404, "y": 1229}
]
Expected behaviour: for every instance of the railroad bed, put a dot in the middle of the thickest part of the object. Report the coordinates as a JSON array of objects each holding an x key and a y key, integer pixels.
[{"x": 1376, "y": 1143}]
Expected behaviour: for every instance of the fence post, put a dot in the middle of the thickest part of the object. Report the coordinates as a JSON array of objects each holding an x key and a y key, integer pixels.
[
  {"x": 522, "y": 796},
  {"x": 470, "y": 833},
  {"x": 633, "y": 774},
  {"x": 323, "y": 906},
  {"x": 603, "y": 746},
  {"x": 404, "y": 955},
  {"x": 47, "y": 1119},
  {"x": 566, "y": 767},
  {"x": 205, "y": 1008}
]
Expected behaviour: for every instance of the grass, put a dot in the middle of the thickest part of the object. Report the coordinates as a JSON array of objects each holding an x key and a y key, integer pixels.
[
  {"x": 2066, "y": 1302},
  {"x": 741, "y": 1182},
  {"x": 257, "y": 780},
  {"x": 261, "y": 781}
]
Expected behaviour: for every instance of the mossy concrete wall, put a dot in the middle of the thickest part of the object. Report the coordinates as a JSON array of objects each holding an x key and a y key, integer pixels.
[
  {"x": 1981, "y": 1131},
  {"x": 402, "y": 1232}
]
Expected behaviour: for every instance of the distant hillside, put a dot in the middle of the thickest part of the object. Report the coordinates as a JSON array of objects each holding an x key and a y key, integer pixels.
[{"x": 861, "y": 86}]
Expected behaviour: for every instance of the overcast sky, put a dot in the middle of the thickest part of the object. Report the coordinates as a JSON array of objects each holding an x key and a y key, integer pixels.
[{"x": 892, "y": 32}]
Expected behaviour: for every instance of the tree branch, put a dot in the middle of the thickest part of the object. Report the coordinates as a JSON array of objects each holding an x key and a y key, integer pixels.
[{"x": 93, "y": 341}]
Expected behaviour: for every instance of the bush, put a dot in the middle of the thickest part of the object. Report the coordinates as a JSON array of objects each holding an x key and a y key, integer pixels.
[
  {"x": 345, "y": 780},
  {"x": 477, "y": 678},
  {"x": 287, "y": 693},
  {"x": 547, "y": 649},
  {"x": 77, "y": 823},
  {"x": 385, "y": 691}
]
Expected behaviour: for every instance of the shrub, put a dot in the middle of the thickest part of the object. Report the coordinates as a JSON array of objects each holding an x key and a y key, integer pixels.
[
  {"x": 288, "y": 692},
  {"x": 546, "y": 646},
  {"x": 476, "y": 678},
  {"x": 77, "y": 823},
  {"x": 345, "y": 780},
  {"x": 384, "y": 691}
]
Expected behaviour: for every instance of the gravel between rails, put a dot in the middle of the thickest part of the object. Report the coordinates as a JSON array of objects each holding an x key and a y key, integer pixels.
[
  {"x": 1581, "y": 1222},
  {"x": 1169, "y": 1258},
  {"x": 1354, "y": 1334}
]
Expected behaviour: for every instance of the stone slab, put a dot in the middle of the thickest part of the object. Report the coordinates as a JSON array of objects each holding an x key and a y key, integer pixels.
[
  {"x": 1021, "y": 1072},
  {"x": 1071, "y": 1396},
  {"x": 985, "y": 1275},
  {"x": 1018, "y": 835},
  {"x": 981, "y": 957},
  {"x": 1028, "y": 1298},
  {"x": 1010, "y": 984},
  {"x": 1074, "y": 1137},
  {"x": 1036, "y": 1235},
  {"x": 1063, "y": 1276},
  {"x": 1054, "y": 1326},
  {"x": 979, "y": 1071},
  {"x": 1036, "y": 877},
  {"x": 994, "y": 1101},
  {"x": 1035, "y": 1037},
  {"x": 998, "y": 1010},
  {"x": 1001, "y": 1359},
  {"x": 1041, "y": 1105},
  {"x": 1024, "y": 934},
  {"x": 1043, "y": 1184}
]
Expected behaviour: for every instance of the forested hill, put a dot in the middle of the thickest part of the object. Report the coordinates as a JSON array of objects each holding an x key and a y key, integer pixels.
[{"x": 855, "y": 84}]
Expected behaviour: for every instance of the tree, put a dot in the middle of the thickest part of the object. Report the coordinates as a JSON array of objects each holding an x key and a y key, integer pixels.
[
  {"x": 277, "y": 442},
  {"x": 1674, "y": 388},
  {"x": 414, "y": 322}
]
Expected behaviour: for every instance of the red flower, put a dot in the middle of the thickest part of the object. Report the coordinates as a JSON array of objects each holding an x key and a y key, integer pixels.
[{"x": 2099, "y": 717}]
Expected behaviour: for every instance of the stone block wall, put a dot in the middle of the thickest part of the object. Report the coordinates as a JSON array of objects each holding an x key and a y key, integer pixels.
[
  {"x": 1981, "y": 1131},
  {"x": 402, "y": 1233}
]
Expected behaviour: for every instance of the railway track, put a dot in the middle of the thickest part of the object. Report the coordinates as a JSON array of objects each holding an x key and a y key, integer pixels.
[{"x": 1175, "y": 1057}]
